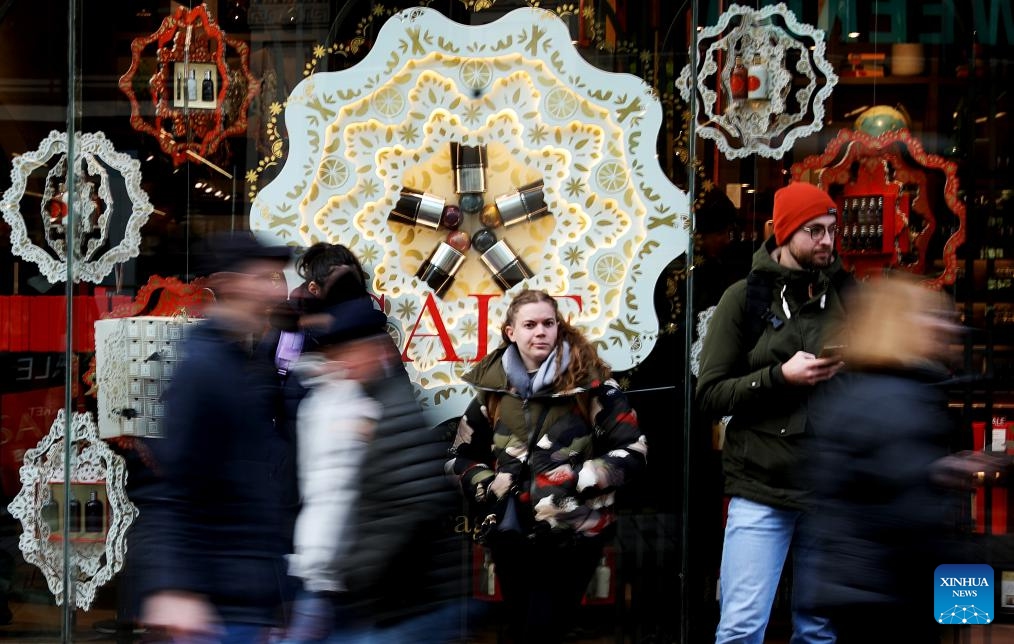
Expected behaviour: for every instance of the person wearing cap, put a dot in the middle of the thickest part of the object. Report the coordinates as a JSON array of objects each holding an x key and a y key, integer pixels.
[
  {"x": 759, "y": 364},
  {"x": 367, "y": 547},
  {"x": 209, "y": 527}
]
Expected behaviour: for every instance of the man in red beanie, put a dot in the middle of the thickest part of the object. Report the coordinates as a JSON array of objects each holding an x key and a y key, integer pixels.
[{"x": 760, "y": 359}]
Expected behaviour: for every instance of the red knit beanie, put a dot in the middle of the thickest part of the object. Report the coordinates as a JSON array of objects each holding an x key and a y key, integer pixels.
[{"x": 796, "y": 204}]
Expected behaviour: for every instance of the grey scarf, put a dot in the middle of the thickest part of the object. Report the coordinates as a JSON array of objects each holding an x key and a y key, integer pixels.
[{"x": 529, "y": 385}]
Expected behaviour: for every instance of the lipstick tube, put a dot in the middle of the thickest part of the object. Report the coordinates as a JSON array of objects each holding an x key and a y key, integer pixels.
[
  {"x": 417, "y": 207},
  {"x": 469, "y": 164},
  {"x": 439, "y": 269},
  {"x": 524, "y": 204},
  {"x": 507, "y": 268}
]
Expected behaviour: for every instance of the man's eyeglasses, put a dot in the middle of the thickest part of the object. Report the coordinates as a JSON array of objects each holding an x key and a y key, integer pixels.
[{"x": 817, "y": 231}]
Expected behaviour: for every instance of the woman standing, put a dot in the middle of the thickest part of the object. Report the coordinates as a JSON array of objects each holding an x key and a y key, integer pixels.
[{"x": 540, "y": 453}]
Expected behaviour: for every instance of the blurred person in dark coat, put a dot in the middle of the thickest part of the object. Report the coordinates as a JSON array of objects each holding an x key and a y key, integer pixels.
[
  {"x": 212, "y": 565},
  {"x": 369, "y": 543},
  {"x": 884, "y": 482}
]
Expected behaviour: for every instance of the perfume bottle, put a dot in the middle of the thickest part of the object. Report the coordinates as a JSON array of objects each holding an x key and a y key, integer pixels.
[
  {"x": 51, "y": 513},
  {"x": 757, "y": 80},
  {"x": 738, "y": 80},
  {"x": 95, "y": 513},
  {"x": 207, "y": 88},
  {"x": 507, "y": 268},
  {"x": 602, "y": 580},
  {"x": 488, "y": 575},
  {"x": 192, "y": 86},
  {"x": 74, "y": 515},
  {"x": 440, "y": 267},
  {"x": 179, "y": 86}
]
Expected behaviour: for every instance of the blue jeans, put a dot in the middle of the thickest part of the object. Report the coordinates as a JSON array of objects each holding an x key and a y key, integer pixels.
[
  {"x": 757, "y": 540},
  {"x": 319, "y": 618},
  {"x": 316, "y": 618}
]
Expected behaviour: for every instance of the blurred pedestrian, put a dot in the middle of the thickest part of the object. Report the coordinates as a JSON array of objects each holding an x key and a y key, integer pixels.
[
  {"x": 213, "y": 565},
  {"x": 759, "y": 362},
  {"x": 539, "y": 453},
  {"x": 884, "y": 508},
  {"x": 368, "y": 547},
  {"x": 331, "y": 274}
]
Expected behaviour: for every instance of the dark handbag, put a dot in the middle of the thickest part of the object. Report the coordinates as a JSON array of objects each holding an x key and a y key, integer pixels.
[{"x": 509, "y": 518}]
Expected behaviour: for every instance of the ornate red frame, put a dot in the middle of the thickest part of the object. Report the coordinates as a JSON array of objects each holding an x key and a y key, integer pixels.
[
  {"x": 895, "y": 149},
  {"x": 179, "y": 39}
]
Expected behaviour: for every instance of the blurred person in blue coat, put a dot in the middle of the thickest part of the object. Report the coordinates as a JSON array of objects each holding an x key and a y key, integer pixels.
[
  {"x": 210, "y": 529},
  {"x": 885, "y": 483}
]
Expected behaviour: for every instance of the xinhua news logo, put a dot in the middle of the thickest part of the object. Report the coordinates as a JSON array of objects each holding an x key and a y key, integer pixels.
[{"x": 963, "y": 594}]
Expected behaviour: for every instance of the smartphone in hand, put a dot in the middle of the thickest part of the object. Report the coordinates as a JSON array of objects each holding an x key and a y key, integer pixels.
[{"x": 832, "y": 351}]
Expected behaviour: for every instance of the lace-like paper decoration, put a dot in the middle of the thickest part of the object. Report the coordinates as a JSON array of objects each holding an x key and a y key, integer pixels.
[
  {"x": 135, "y": 358},
  {"x": 93, "y": 561},
  {"x": 89, "y": 215},
  {"x": 519, "y": 87},
  {"x": 765, "y": 127}
]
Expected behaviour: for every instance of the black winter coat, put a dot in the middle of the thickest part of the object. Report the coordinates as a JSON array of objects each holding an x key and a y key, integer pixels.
[
  {"x": 211, "y": 523},
  {"x": 878, "y": 523}
]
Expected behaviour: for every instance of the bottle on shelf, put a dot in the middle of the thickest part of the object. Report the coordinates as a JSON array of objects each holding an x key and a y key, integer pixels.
[
  {"x": 602, "y": 580},
  {"x": 179, "y": 86},
  {"x": 878, "y": 235},
  {"x": 192, "y": 86},
  {"x": 207, "y": 88},
  {"x": 488, "y": 574},
  {"x": 95, "y": 513},
  {"x": 51, "y": 514},
  {"x": 738, "y": 80},
  {"x": 846, "y": 213},
  {"x": 861, "y": 222},
  {"x": 757, "y": 79},
  {"x": 74, "y": 520}
]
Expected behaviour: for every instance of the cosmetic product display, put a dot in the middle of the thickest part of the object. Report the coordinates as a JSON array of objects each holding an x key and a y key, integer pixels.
[
  {"x": 757, "y": 80},
  {"x": 207, "y": 88},
  {"x": 739, "y": 80},
  {"x": 459, "y": 241},
  {"x": 483, "y": 239}
]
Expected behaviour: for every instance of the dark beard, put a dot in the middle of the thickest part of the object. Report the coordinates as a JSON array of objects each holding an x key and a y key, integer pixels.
[{"x": 808, "y": 264}]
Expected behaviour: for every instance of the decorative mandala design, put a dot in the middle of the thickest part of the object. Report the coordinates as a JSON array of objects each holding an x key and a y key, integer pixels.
[
  {"x": 793, "y": 106},
  {"x": 614, "y": 219},
  {"x": 96, "y": 557},
  {"x": 83, "y": 218}
]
